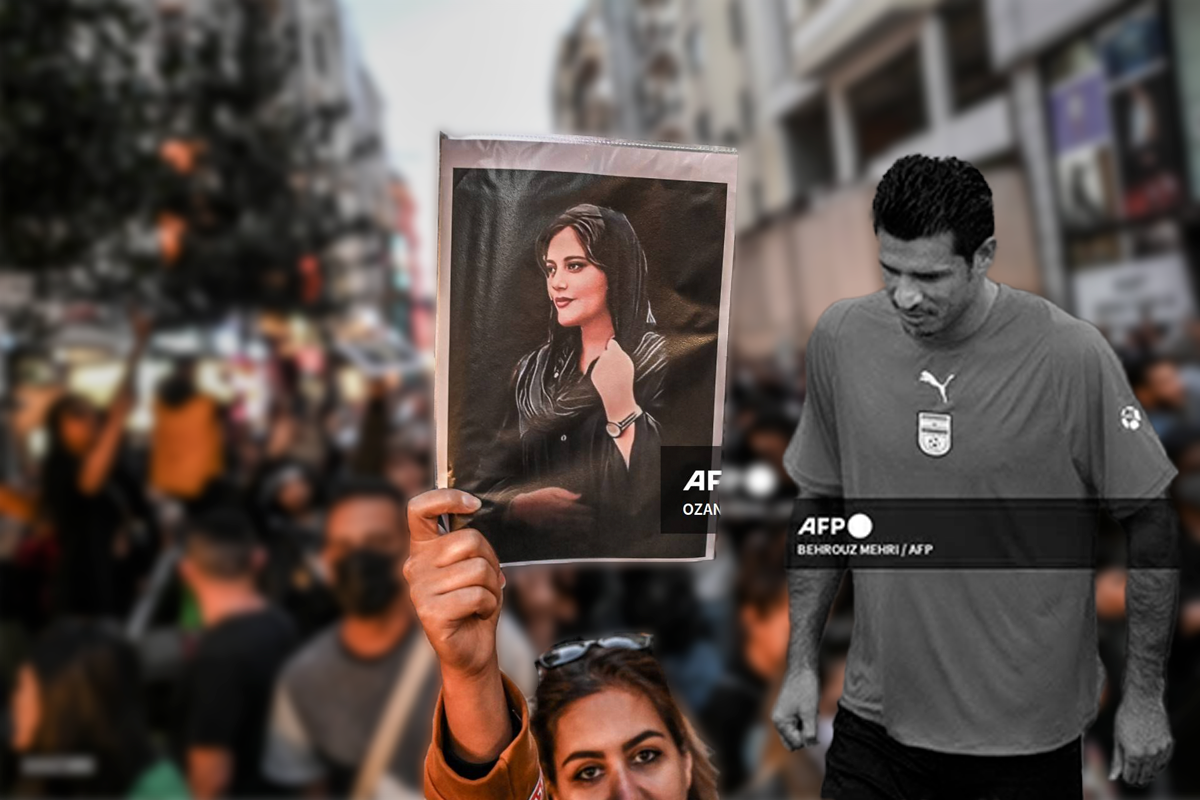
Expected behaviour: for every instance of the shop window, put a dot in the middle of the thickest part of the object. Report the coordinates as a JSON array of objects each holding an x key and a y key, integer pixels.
[
  {"x": 888, "y": 106},
  {"x": 969, "y": 52},
  {"x": 810, "y": 151}
]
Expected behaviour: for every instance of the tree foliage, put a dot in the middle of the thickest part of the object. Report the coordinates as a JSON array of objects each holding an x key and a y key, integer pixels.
[
  {"x": 180, "y": 156},
  {"x": 77, "y": 149}
]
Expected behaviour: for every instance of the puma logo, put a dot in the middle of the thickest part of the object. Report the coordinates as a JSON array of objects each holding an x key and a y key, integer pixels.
[{"x": 927, "y": 377}]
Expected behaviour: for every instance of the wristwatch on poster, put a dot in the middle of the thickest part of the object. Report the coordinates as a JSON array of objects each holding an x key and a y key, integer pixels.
[{"x": 615, "y": 429}]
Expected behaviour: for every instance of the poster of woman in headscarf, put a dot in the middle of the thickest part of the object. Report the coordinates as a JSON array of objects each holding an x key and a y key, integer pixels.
[{"x": 583, "y": 294}]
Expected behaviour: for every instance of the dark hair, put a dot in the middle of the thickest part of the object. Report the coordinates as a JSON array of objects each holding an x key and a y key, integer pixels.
[
  {"x": 610, "y": 243},
  {"x": 66, "y": 405},
  {"x": 636, "y": 671},
  {"x": 921, "y": 196},
  {"x": 179, "y": 386},
  {"x": 221, "y": 543},
  {"x": 367, "y": 487},
  {"x": 1138, "y": 367},
  {"x": 60, "y": 468},
  {"x": 89, "y": 682}
]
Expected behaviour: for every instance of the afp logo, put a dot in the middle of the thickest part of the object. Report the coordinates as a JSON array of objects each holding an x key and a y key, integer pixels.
[
  {"x": 858, "y": 526},
  {"x": 757, "y": 480}
]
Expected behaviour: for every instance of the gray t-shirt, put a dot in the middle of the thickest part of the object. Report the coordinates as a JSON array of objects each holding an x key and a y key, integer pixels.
[
  {"x": 986, "y": 662},
  {"x": 328, "y": 703}
]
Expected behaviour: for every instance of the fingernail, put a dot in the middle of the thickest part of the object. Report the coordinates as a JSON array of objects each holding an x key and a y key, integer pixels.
[
  {"x": 473, "y": 502},
  {"x": 503, "y": 579}
]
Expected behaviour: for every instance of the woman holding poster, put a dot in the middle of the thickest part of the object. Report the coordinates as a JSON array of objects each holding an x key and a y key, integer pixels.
[{"x": 586, "y": 400}]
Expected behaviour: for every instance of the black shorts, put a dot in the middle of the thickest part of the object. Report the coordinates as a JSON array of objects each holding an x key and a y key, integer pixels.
[{"x": 864, "y": 763}]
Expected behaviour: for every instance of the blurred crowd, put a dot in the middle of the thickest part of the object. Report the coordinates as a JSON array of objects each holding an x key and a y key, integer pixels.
[{"x": 215, "y": 610}]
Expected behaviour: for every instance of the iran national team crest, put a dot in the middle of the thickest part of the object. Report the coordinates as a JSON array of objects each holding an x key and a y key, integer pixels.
[{"x": 933, "y": 433}]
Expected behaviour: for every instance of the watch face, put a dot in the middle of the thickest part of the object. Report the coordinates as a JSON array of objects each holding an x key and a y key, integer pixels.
[{"x": 614, "y": 430}]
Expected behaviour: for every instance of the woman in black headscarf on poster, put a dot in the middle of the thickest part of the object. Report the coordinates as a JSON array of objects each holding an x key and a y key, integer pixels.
[{"x": 583, "y": 423}]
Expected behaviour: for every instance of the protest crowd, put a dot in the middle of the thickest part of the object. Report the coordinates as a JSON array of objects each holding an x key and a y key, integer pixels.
[
  {"x": 205, "y": 579},
  {"x": 236, "y": 630}
]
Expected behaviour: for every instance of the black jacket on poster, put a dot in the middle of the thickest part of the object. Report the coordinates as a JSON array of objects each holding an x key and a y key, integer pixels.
[{"x": 563, "y": 443}]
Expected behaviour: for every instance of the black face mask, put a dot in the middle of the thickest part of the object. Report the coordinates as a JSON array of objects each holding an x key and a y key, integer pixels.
[{"x": 365, "y": 582}]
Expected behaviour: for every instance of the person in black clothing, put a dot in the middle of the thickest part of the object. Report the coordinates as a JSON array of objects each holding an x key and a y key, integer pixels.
[
  {"x": 225, "y": 691},
  {"x": 287, "y": 516},
  {"x": 578, "y": 453},
  {"x": 82, "y": 497}
]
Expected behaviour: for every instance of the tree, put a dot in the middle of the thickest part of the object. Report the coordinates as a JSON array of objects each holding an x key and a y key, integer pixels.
[
  {"x": 171, "y": 157},
  {"x": 251, "y": 162},
  {"x": 77, "y": 149}
]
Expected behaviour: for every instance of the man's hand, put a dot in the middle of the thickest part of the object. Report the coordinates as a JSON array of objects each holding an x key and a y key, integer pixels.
[
  {"x": 455, "y": 584},
  {"x": 795, "y": 714},
  {"x": 1142, "y": 742}
]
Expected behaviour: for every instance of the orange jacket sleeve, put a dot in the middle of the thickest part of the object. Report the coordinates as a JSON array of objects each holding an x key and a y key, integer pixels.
[{"x": 516, "y": 776}]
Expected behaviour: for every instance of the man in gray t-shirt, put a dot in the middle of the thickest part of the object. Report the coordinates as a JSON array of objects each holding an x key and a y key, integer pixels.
[
  {"x": 948, "y": 387},
  {"x": 331, "y": 696}
]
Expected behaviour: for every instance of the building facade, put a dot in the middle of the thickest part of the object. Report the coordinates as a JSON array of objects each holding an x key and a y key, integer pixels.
[{"x": 821, "y": 96}]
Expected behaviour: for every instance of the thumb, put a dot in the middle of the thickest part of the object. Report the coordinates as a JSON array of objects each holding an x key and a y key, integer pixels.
[
  {"x": 1118, "y": 761},
  {"x": 424, "y": 510}
]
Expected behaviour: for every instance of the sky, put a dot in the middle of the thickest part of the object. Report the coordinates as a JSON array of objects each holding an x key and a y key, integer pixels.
[{"x": 459, "y": 66}]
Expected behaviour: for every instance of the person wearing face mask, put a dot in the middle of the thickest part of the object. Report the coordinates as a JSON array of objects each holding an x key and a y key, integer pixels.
[{"x": 331, "y": 697}]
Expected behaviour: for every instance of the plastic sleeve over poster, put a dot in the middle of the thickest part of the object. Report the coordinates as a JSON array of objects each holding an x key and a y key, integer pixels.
[{"x": 582, "y": 325}]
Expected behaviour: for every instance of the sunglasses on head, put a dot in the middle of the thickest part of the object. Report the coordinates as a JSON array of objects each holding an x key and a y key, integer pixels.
[{"x": 568, "y": 652}]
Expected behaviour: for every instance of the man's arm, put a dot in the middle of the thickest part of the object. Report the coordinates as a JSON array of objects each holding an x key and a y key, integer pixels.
[
  {"x": 209, "y": 771},
  {"x": 1143, "y": 742},
  {"x": 811, "y": 591}
]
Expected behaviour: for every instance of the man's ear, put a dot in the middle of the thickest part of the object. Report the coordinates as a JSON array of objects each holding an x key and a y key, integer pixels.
[{"x": 984, "y": 255}]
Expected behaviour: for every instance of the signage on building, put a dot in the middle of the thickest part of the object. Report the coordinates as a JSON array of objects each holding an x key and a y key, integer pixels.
[{"x": 1119, "y": 297}]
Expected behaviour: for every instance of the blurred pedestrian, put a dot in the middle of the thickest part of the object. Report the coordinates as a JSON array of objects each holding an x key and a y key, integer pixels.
[
  {"x": 225, "y": 692},
  {"x": 79, "y": 721},
  {"x": 331, "y": 695},
  {"x": 541, "y": 598},
  {"x": 188, "y": 441},
  {"x": 762, "y": 601},
  {"x": 1183, "y": 677},
  {"x": 289, "y": 518},
  {"x": 605, "y": 723},
  {"x": 82, "y": 497},
  {"x": 410, "y": 458},
  {"x": 1159, "y": 389}
]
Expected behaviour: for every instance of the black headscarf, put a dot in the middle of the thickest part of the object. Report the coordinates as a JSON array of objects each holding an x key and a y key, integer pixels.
[{"x": 550, "y": 390}]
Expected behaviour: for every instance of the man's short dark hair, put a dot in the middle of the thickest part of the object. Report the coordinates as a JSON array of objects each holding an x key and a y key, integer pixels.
[
  {"x": 1138, "y": 367},
  {"x": 921, "y": 196},
  {"x": 367, "y": 487},
  {"x": 221, "y": 543}
]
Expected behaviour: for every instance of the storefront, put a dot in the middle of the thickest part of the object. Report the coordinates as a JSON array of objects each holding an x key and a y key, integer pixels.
[{"x": 1120, "y": 166}]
